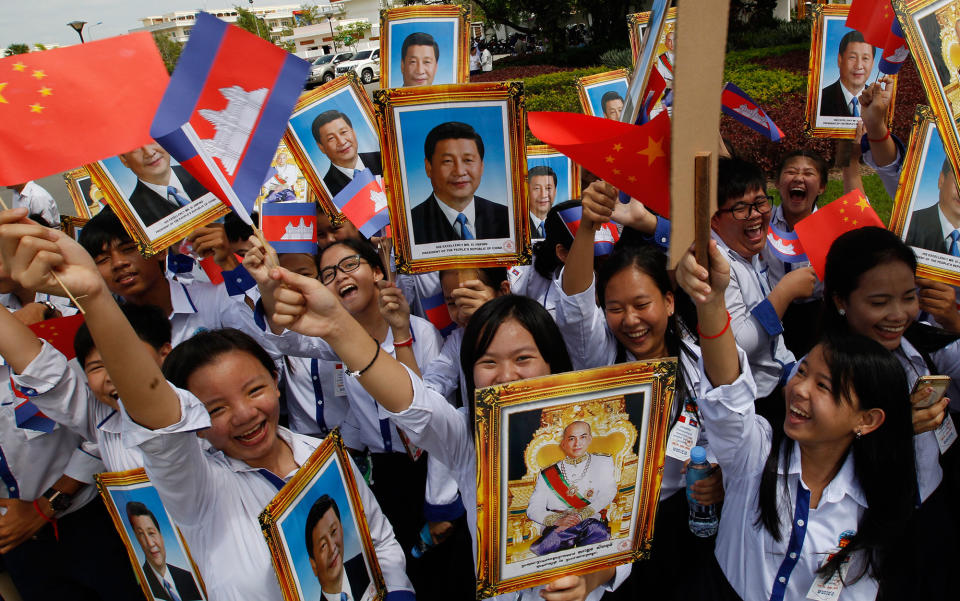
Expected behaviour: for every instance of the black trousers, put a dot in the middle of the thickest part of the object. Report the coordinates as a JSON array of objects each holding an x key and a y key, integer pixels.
[{"x": 89, "y": 562}]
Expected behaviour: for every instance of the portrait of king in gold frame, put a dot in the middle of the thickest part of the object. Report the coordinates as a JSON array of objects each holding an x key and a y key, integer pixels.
[
  {"x": 570, "y": 465},
  {"x": 157, "y": 550},
  {"x": 455, "y": 175},
  {"x": 424, "y": 46},
  {"x": 86, "y": 196},
  {"x": 926, "y": 212},
  {"x": 318, "y": 534},
  {"x": 637, "y": 24},
  {"x": 842, "y": 65}
]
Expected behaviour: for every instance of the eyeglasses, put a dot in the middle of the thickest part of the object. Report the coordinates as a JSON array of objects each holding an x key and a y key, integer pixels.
[
  {"x": 346, "y": 265},
  {"x": 743, "y": 210}
]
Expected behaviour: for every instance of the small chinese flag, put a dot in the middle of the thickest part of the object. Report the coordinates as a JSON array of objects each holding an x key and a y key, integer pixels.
[
  {"x": 872, "y": 18},
  {"x": 69, "y": 106},
  {"x": 60, "y": 332},
  {"x": 633, "y": 158},
  {"x": 818, "y": 231}
]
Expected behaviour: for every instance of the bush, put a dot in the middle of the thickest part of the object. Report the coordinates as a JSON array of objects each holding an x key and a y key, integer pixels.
[
  {"x": 785, "y": 32},
  {"x": 620, "y": 58},
  {"x": 584, "y": 56},
  {"x": 559, "y": 81},
  {"x": 764, "y": 85}
]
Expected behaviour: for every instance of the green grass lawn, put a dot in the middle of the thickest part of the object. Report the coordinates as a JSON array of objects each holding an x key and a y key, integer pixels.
[{"x": 881, "y": 201}]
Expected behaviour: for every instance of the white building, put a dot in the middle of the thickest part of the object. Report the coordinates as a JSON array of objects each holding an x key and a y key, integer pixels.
[
  {"x": 314, "y": 40},
  {"x": 178, "y": 24}
]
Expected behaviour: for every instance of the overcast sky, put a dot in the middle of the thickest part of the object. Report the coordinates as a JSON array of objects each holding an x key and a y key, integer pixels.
[{"x": 45, "y": 21}]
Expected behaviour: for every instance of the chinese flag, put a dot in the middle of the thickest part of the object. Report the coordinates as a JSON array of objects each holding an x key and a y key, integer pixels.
[
  {"x": 818, "y": 231},
  {"x": 873, "y": 19},
  {"x": 59, "y": 332},
  {"x": 633, "y": 158},
  {"x": 69, "y": 106}
]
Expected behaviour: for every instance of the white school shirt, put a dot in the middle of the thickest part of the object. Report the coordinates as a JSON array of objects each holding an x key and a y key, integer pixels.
[
  {"x": 63, "y": 304},
  {"x": 777, "y": 268},
  {"x": 444, "y": 373},
  {"x": 315, "y": 403},
  {"x": 366, "y": 425},
  {"x": 217, "y": 500},
  {"x": 444, "y": 432},
  {"x": 753, "y": 562},
  {"x": 38, "y": 201},
  {"x": 64, "y": 396},
  {"x": 755, "y": 323},
  {"x": 590, "y": 343},
  {"x": 531, "y": 284}
]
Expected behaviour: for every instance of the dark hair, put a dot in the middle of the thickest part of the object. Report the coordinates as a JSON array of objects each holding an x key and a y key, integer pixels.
[
  {"x": 736, "y": 177},
  {"x": 419, "y": 38},
  {"x": 545, "y": 260},
  {"x": 850, "y": 256},
  {"x": 40, "y": 219},
  {"x": 851, "y": 37},
  {"x": 204, "y": 348},
  {"x": 609, "y": 97},
  {"x": 324, "y": 118},
  {"x": 148, "y": 321},
  {"x": 235, "y": 228},
  {"x": 102, "y": 231},
  {"x": 818, "y": 161},
  {"x": 363, "y": 248},
  {"x": 485, "y": 322},
  {"x": 135, "y": 508},
  {"x": 883, "y": 460},
  {"x": 540, "y": 171},
  {"x": 946, "y": 168},
  {"x": 489, "y": 276},
  {"x": 451, "y": 130},
  {"x": 317, "y": 511}
]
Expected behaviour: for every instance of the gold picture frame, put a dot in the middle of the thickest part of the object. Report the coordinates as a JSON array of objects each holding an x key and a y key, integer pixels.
[
  {"x": 930, "y": 27},
  {"x": 397, "y": 23},
  {"x": 568, "y": 188},
  {"x": 133, "y": 487},
  {"x": 119, "y": 185},
  {"x": 829, "y": 26},
  {"x": 494, "y": 112},
  {"x": 539, "y": 410},
  {"x": 71, "y": 226},
  {"x": 591, "y": 89},
  {"x": 346, "y": 95},
  {"x": 327, "y": 473},
  {"x": 637, "y": 23},
  {"x": 920, "y": 179},
  {"x": 286, "y": 182},
  {"x": 87, "y": 198}
]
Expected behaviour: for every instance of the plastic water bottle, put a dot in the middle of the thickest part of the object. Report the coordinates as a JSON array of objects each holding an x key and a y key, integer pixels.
[
  {"x": 703, "y": 518},
  {"x": 424, "y": 544}
]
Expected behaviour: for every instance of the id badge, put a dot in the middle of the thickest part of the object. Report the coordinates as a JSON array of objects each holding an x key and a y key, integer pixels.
[
  {"x": 829, "y": 589},
  {"x": 338, "y": 387},
  {"x": 684, "y": 434},
  {"x": 946, "y": 433}
]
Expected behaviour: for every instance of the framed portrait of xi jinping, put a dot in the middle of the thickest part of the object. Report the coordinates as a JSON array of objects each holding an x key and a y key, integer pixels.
[
  {"x": 156, "y": 199},
  {"x": 926, "y": 210},
  {"x": 424, "y": 46},
  {"x": 455, "y": 175},
  {"x": 603, "y": 94},
  {"x": 552, "y": 178},
  {"x": 331, "y": 135},
  {"x": 157, "y": 550},
  {"x": 317, "y": 531},
  {"x": 842, "y": 64},
  {"x": 569, "y": 470},
  {"x": 932, "y": 29}
]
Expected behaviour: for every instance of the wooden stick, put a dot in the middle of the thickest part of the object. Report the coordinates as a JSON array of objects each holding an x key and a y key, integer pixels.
[
  {"x": 701, "y": 200},
  {"x": 54, "y": 274}
]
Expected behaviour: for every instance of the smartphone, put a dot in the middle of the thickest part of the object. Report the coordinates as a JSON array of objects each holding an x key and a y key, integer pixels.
[{"x": 939, "y": 385}]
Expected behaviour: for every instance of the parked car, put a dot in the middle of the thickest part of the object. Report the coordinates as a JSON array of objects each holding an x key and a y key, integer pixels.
[
  {"x": 365, "y": 63},
  {"x": 324, "y": 68}
]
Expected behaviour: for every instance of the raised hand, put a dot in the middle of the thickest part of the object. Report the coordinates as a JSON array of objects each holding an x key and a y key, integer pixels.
[
  {"x": 211, "y": 240},
  {"x": 394, "y": 308},
  {"x": 704, "y": 287},
  {"x": 470, "y": 296},
  {"x": 305, "y": 305},
  {"x": 598, "y": 202}
]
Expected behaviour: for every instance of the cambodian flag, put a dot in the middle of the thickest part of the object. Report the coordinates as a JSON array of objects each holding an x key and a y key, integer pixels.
[
  {"x": 27, "y": 415},
  {"x": 603, "y": 239},
  {"x": 364, "y": 203},
  {"x": 894, "y": 51},
  {"x": 435, "y": 309},
  {"x": 785, "y": 245},
  {"x": 226, "y": 109},
  {"x": 655, "y": 89},
  {"x": 737, "y": 104},
  {"x": 290, "y": 227}
]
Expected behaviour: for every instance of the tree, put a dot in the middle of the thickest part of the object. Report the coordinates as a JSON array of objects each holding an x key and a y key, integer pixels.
[
  {"x": 252, "y": 23},
  {"x": 39, "y": 47},
  {"x": 16, "y": 49},
  {"x": 350, "y": 34},
  {"x": 308, "y": 14},
  {"x": 170, "y": 50},
  {"x": 543, "y": 18}
]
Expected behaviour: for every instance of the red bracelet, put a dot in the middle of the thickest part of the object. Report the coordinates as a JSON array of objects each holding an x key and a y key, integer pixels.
[
  {"x": 881, "y": 139},
  {"x": 52, "y": 521},
  {"x": 407, "y": 342},
  {"x": 725, "y": 328}
]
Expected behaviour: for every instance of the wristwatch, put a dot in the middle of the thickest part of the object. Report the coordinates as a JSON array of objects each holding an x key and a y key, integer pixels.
[{"x": 58, "y": 499}]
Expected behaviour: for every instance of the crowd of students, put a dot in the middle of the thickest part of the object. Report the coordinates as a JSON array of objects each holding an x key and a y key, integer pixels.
[{"x": 830, "y": 476}]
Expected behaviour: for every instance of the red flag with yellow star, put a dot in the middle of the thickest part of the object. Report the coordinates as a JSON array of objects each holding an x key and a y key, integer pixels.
[
  {"x": 818, "y": 231},
  {"x": 66, "y": 107},
  {"x": 59, "y": 332},
  {"x": 873, "y": 19},
  {"x": 633, "y": 158}
]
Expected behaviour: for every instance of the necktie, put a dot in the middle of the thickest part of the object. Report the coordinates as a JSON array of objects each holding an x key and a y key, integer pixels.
[
  {"x": 172, "y": 193},
  {"x": 540, "y": 230},
  {"x": 173, "y": 595},
  {"x": 855, "y": 107},
  {"x": 357, "y": 172},
  {"x": 344, "y": 597},
  {"x": 954, "y": 247},
  {"x": 464, "y": 230}
]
